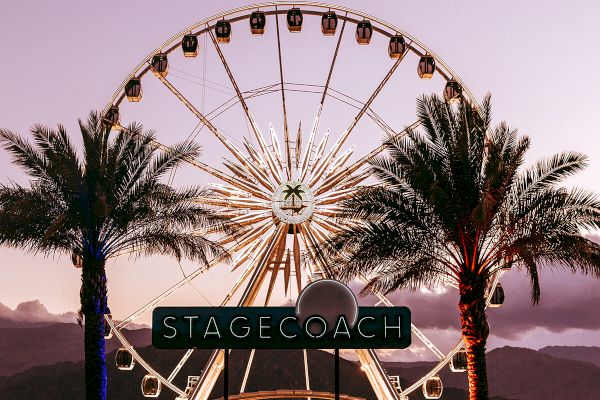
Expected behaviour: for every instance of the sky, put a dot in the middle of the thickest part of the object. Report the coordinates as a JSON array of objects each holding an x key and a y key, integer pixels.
[{"x": 62, "y": 59}]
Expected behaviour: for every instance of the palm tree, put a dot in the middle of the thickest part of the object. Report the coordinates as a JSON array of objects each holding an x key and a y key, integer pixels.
[
  {"x": 108, "y": 203},
  {"x": 455, "y": 203}
]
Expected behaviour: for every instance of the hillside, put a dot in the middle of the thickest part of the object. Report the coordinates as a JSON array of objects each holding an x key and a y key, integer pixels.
[
  {"x": 523, "y": 374},
  {"x": 44, "y": 362},
  {"x": 577, "y": 353},
  {"x": 37, "y": 344},
  {"x": 272, "y": 369}
]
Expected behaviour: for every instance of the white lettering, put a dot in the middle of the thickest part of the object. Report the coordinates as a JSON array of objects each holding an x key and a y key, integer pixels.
[
  {"x": 247, "y": 328},
  {"x": 346, "y": 331},
  {"x": 169, "y": 326},
  {"x": 281, "y": 328},
  {"x": 191, "y": 319},
  {"x": 261, "y": 327},
  {"x": 213, "y": 322},
  {"x": 323, "y": 323},
  {"x": 360, "y": 327},
  {"x": 395, "y": 327}
]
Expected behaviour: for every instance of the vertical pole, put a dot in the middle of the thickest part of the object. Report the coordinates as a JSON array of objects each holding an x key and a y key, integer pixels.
[
  {"x": 226, "y": 375},
  {"x": 337, "y": 374}
]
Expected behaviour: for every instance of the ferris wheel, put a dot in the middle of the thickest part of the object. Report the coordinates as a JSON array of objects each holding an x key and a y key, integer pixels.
[{"x": 283, "y": 186}]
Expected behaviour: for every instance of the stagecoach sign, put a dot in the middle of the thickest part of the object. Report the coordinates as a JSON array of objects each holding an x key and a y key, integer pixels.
[{"x": 325, "y": 316}]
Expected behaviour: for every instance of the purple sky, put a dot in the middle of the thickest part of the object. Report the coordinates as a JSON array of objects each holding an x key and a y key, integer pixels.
[{"x": 61, "y": 59}]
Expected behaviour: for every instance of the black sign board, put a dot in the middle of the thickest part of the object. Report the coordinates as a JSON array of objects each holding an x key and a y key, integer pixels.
[{"x": 278, "y": 328}]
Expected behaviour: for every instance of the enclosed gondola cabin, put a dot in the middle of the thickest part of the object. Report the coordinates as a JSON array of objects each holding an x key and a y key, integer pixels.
[
  {"x": 497, "y": 298},
  {"x": 189, "y": 45},
  {"x": 258, "y": 21},
  {"x": 124, "y": 359},
  {"x": 223, "y": 31},
  {"x": 133, "y": 90},
  {"x": 151, "y": 386},
  {"x": 433, "y": 388},
  {"x": 452, "y": 91},
  {"x": 112, "y": 117},
  {"x": 364, "y": 31},
  {"x": 396, "y": 47},
  {"x": 294, "y": 20},
  {"x": 329, "y": 23},
  {"x": 459, "y": 361},
  {"x": 160, "y": 64},
  {"x": 426, "y": 67}
]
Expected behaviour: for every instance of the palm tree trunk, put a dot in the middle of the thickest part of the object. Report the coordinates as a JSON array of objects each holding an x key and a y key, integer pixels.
[
  {"x": 475, "y": 331},
  {"x": 94, "y": 306}
]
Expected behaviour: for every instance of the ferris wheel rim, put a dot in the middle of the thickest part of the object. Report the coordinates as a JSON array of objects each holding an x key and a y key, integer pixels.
[
  {"x": 449, "y": 74},
  {"x": 415, "y": 45}
]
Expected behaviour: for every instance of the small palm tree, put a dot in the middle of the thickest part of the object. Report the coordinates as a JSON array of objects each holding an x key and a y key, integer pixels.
[
  {"x": 108, "y": 203},
  {"x": 455, "y": 204}
]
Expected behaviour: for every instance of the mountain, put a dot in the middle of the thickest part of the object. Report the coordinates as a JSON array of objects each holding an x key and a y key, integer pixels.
[
  {"x": 45, "y": 362},
  {"x": 519, "y": 373},
  {"x": 271, "y": 369},
  {"x": 530, "y": 375},
  {"x": 577, "y": 353},
  {"x": 27, "y": 345}
]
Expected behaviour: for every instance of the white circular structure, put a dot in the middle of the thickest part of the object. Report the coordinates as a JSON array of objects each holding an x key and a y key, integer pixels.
[
  {"x": 283, "y": 187},
  {"x": 293, "y": 202}
]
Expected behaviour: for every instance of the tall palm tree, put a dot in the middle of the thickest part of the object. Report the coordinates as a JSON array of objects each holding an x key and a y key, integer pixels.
[
  {"x": 109, "y": 202},
  {"x": 455, "y": 203}
]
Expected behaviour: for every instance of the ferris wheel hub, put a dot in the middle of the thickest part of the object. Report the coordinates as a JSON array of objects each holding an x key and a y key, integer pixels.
[{"x": 293, "y": 202}]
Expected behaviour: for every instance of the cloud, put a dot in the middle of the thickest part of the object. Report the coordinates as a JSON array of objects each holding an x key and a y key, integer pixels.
[
  {"x": 569, "y": 301},
  {"x": 34, "y": 311}
]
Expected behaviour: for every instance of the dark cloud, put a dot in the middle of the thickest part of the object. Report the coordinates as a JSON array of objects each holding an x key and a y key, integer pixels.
[{"x": 569, "y": 301}]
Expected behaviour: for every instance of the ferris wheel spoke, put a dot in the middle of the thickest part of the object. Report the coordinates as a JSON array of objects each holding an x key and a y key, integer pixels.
[
  {"x": 331, "y": 226},
  {"x": 248, "y": 252},
  {"x": 319, "y": 234},
  {"x": 304, "y": 165},
  {"x": 251, "y": 218},
  {"x": 170, "y": 291},
  {"x": 367, "y": 357},
  {"x": 311, "y": 234},
  {"x": 125, "y": 343},
  {"x": 319, "y": 169},
  {"x": 335, "y": 196},
  {"x": 258, "y": 266},
  {"x": 250, "y": 237},
  {"x": 376, "y": 374},
  {"x": 180, "y": 365},
  {"x": 286, "y": 133},
  {"x": 250, "y": 119},
  {"x": 441, "y": 364},
  {"x": 245, "y": 186},
  {"x": 383, "y": 300},
  {"x": 276, "y": 261},
  {"x": 215, "y": 363},
  {"x": 233, "y": 149},
  {"x": 247, "y": 203},
  {"x": 346, "y": 174}
]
